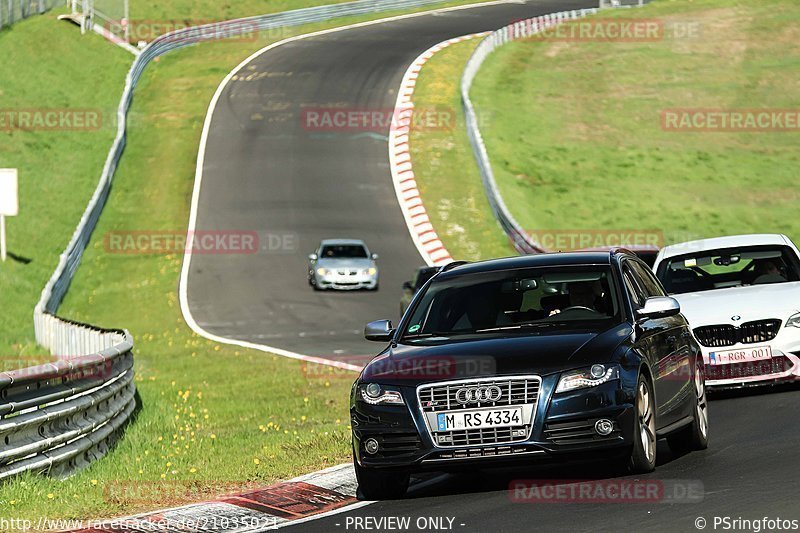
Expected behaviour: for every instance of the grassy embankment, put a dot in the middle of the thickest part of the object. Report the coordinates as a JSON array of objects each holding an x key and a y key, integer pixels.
[{"x": 576, "y": 136}]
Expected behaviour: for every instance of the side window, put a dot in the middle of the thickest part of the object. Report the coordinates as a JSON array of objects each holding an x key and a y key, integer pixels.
[
  {"x": 648, "y": 281},
  {"x": 636, "y": 293}
]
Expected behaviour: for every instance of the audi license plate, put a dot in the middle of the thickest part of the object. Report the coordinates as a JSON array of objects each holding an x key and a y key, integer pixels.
[
  {"x": 484, "y": 418},
  {"x": 746, "y": 355}
]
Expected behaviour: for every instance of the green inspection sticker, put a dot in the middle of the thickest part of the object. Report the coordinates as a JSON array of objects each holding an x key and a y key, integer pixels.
[{"x": 414, "y": 328}]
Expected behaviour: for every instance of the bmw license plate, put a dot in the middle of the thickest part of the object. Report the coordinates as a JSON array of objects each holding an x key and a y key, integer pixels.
[
  {"x": 726, "y": 357},
  {"x": 484, "y": 418}
]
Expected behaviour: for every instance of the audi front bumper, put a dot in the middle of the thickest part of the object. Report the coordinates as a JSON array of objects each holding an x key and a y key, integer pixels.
[{"x": 563, "y": 428}]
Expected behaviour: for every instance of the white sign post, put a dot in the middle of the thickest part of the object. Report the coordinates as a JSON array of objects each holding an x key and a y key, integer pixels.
[{"x": 9, "y": 203}]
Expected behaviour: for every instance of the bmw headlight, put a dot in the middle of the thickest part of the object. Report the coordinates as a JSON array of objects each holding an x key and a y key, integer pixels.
[
  {"x": 794, "y": 321},
  {"x": 371, "y": 271},
  {"x": 587, "y": 377},
  {"x": 374, "y": 394},
  {"x": 323, "y": 271}
]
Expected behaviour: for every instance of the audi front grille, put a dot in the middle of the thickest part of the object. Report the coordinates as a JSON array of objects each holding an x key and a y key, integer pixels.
[{"x": 516, "y": 391}]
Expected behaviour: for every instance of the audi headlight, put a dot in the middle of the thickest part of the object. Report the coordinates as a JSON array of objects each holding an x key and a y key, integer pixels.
[
  {"x": 587, "y": 377},
  {"x": 794, "y": 321},
  {"x": 323, "y": 271},
  {"x": 374, "y": 394}
]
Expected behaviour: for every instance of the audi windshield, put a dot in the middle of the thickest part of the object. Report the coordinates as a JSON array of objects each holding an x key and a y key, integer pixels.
[{"x": 515, "y": 301}]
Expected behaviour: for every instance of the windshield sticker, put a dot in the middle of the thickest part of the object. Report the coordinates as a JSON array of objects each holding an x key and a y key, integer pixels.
[
  {"x": 414, "y": 328},
  {"x": 690, "y": 263}
]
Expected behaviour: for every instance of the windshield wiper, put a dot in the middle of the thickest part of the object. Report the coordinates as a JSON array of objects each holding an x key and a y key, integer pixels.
[
  {"x": 433, "y": 334},
  {"x": 527, "y": 325}
]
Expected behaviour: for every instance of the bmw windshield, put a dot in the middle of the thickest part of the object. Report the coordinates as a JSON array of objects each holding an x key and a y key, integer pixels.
[
  {"x": 516, "y": 302},
  {"x": 720, "y": 269}
]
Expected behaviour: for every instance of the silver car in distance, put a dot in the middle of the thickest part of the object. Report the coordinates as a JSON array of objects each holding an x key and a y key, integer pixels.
[{"x": 343, "y": 264}]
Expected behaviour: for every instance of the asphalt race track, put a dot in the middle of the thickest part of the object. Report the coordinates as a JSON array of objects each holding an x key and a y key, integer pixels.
[
  {"x": 265, "y": 170},
  {"x": 748, "y": 472}
]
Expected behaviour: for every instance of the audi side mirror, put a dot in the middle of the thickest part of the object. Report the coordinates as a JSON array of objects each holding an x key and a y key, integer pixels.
[
  {"x": 379, "y": 330},
  {"x": 658, "y": 307}
]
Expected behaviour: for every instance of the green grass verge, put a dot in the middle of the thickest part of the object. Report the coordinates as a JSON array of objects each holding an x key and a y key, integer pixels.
[
  {"x": 445, "y": 168},
  {"x": 214, "y": 417},
  {"x": 58, "y": 170},
  {"x": 576, "y": 140}
]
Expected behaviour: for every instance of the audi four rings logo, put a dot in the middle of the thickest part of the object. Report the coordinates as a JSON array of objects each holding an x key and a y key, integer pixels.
[{"x": 491, "y": 393}]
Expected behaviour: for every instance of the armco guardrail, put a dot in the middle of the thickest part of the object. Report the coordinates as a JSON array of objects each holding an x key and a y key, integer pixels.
[
  {"x": 59, "y": 416},
  {"x": 521, "y": 240}
]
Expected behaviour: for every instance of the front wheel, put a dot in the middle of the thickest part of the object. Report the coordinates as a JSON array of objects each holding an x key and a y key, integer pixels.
[
  {"x": 643, "y": 455},
  {"x": 695, "y": 435},
  {"x": 381, "y": 484}
]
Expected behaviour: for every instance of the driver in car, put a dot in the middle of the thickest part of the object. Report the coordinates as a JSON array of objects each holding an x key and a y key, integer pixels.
[
  {"x": 585, "y": 294},
  {"x": 767, "y": 272}
]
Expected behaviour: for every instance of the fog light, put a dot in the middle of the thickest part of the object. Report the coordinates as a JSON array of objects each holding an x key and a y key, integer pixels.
[
  {"x": 371, "y": 445},
  {"x": 604, "y": 427}
]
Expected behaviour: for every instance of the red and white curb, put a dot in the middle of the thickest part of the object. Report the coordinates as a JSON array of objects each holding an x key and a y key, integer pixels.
[
  {"x": 419, "y": 225},
  {"x": 306, "y": 497}
]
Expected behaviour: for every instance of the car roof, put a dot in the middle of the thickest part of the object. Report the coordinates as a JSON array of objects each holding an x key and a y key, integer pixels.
[
  {"x": 635, "y": 248},
  {"x": 717, "y": 243},
  {"x": 530, "y": 261},
  {"x": 335, "y": 242}
]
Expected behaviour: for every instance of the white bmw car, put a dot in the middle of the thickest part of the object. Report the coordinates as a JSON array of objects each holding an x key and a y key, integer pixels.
[{"x": 741, "y": 295}]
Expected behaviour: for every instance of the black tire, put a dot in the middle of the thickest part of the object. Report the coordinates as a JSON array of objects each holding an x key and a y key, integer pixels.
[
  {"x": 695, "y": 435},
  {"x": 645, "y": 440},
  {"x": 381, "y": 483}
]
